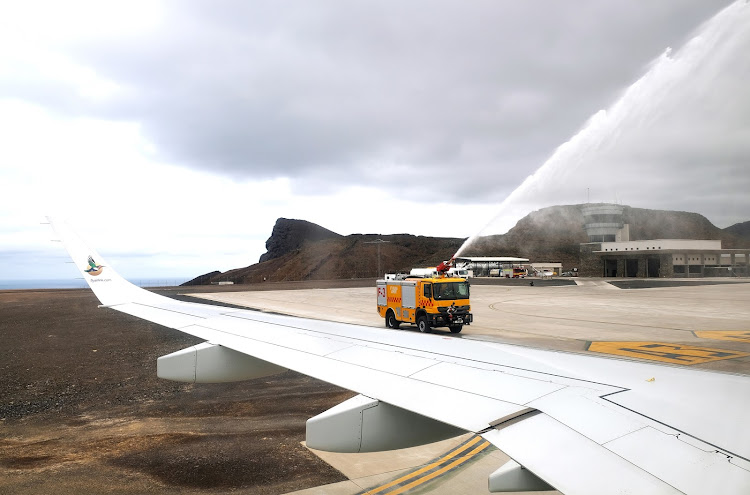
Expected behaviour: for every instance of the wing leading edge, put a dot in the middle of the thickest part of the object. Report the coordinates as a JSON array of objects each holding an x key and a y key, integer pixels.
[{"x": 606, "y": 433}]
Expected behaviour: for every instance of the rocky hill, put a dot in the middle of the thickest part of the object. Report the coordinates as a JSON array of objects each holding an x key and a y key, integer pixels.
[
  {"x": 289, "y": 235},
  {"x": 300, "y": 250},
  {"x": 740, "y": 230}
]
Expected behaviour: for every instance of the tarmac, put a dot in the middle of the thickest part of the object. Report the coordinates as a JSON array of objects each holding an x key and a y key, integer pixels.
[{"x": 704, "y": 324}]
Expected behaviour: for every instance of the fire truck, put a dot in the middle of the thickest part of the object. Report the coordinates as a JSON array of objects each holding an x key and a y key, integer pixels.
[{"x": 425, "y": 301}]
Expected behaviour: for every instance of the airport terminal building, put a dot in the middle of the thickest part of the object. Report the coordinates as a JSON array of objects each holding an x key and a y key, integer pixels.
[{"x": 611, "y": 253}]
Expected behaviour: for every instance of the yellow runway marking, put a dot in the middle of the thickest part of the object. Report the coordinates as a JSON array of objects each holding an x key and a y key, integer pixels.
[
  {"x": 425, "y": 479},
  {"x": 664, "y": 352},
  {"x": 429, "y": 471},
  {"x": 733, "y": 335}
]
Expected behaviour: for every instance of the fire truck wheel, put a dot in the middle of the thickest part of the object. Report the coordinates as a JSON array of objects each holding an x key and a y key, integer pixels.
[
  {"x": 456, "y": 328},
  {"x": 422, "y": 324},
  {"x": 391, "y": 321}
]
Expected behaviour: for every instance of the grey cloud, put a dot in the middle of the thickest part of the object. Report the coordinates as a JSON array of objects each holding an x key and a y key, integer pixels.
[{"x": 335, "y": 93}]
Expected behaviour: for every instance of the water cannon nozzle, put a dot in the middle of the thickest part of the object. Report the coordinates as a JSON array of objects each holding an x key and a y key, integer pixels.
[{"x": 445, "y": 265}]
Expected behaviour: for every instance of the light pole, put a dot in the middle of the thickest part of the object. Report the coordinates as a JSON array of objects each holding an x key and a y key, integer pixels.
[{"x": 378, "y": 242}]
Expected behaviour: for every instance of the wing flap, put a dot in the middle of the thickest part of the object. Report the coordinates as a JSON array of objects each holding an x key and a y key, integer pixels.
[
  {"x": 707, "y": 406},
  {"x": 689, "y": 468},
  {"x": 588, "y": 414},
  {"x": 571, "y": 462}
]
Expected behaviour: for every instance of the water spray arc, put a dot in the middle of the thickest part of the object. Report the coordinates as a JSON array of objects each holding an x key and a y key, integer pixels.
[{"x": 673, "y": 82}]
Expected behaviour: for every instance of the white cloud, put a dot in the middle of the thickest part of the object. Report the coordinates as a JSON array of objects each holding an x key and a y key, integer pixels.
[{"x": 101, "y": 175}]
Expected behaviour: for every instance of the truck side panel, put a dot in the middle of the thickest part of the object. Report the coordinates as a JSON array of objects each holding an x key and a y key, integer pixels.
[
  {"x": 394, "y": 295},
  {"x": 382, "y": 296},
  {"x": 409, "y": 301},
  {"x": 409, "y": 295}
]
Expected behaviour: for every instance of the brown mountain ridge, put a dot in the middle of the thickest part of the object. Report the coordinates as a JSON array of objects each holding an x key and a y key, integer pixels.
[{"x": 301, "y": 250}]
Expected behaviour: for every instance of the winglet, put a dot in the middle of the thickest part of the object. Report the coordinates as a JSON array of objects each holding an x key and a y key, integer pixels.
[{"x": 108, "y": 286}]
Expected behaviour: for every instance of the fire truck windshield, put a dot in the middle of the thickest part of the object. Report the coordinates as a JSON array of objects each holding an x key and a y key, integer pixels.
[{"x": 450, "y": 290}]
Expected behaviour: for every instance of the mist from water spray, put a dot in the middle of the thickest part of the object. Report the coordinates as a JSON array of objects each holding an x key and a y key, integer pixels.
[{"x": 673, "y": 83}]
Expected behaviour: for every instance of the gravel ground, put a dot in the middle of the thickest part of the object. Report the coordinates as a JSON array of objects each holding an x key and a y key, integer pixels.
[{"x": 82, "y": 410}]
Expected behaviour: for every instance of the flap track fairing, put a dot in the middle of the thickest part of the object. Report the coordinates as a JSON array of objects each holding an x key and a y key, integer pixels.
[
  {"x": 512, "y": 477},
  {"x": 211, "y": 363},
  {"x": 362, "y": 424}
]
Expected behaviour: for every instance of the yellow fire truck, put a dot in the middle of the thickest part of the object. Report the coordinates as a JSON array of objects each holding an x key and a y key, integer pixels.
[{"x": 436, "y": 301}]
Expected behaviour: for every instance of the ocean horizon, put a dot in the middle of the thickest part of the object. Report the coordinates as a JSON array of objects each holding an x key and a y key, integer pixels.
[{"x": 79, "y": 283}]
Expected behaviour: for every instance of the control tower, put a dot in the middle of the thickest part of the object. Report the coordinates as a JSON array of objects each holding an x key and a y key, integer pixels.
[{"x": 604, "y": 223}]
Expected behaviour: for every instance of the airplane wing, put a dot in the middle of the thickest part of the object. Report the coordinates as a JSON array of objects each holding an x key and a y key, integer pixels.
[{"x": 576, "y": 423}]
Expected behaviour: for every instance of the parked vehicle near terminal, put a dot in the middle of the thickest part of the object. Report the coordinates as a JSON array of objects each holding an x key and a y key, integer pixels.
[
  {"x": 519, "y": 273},
  {"x": 514, "y": 272},
  {"x": 432, "y": 272},
  {"x": 460, "y": 273}
]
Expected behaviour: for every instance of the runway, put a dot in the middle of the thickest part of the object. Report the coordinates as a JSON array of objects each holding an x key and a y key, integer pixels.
[{"x": 565, "y": 318}]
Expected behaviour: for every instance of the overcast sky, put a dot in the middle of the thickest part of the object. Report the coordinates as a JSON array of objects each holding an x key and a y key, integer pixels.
[{"x": 173, "y": 134}]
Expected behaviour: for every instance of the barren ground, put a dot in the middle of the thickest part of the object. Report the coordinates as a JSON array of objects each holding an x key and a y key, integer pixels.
[{"x": 82, "y": 410}]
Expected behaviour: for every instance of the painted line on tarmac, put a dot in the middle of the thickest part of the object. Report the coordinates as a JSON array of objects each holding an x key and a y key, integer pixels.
[
  {"x": 731, "y": 335},
  {"x": 665, "y": 352},
  {"x": 442, "y": 465}
]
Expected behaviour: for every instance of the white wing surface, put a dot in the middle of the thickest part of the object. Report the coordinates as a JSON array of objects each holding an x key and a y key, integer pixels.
[{"x": 580, "y": 424}]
